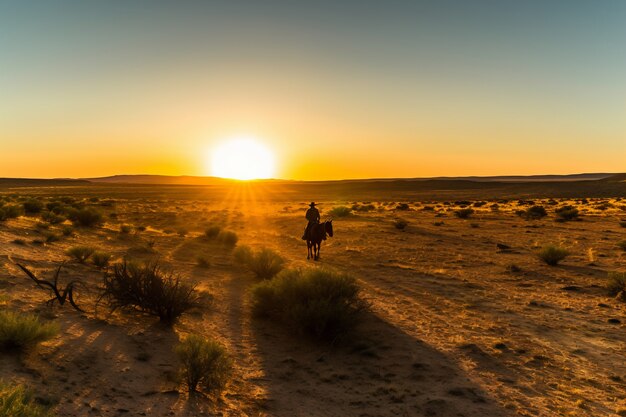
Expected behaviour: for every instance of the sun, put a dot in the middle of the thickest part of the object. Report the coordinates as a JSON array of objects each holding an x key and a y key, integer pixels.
[{"x": 243, "y": 158}]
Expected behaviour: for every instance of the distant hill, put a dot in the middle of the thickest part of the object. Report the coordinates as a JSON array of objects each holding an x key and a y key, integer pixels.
[
  {"x": 40, "y": 182},
  {"x": 159, "y": 179}
]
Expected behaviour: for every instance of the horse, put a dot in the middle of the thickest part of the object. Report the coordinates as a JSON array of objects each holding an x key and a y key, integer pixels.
[{"x": 316, "y": 234}]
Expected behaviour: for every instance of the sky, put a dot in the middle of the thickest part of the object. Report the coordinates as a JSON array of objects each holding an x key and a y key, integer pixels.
[{"x": 336, "y": 89}]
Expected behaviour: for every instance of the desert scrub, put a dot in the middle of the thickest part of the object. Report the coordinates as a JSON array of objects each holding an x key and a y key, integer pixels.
[
  {"x": 533, "y": 213},
  {"x": 204, "y": 362},
  {"x": 616, "y": 285},
  {"x": 17, "y": 401},
  {"x": 227, "y": 238},
  {"x": 400, "y": 224},
  {"x": 80, "y": 253},
  {"x": 340, "y": 211},
  {"x": 552, "y": 254},
  {"x": 242, "y": 254},
  {"x": 622, "y": 245},
  {"x": 319, "y": 303},
  {"x": 52, "y": 218},
  {"x": 566, "y": 213},
  {"x": 85, "y": 217},
  {"x": 150, "y": 289},
  {"x": 203, "y": 262},
  {"x": 21, "y": 331},
  {"x": 125, "y": 229},
  {"x": 402, "y": 207},
  {"x": 464, "y": 213},
  {"x": 10, "y": 211},
  {"x": 100, "y": 259},
  {"x": 265, "y": 263},
  {"x": 32, "y": 206},
  {"x": 211, "y": 232}
]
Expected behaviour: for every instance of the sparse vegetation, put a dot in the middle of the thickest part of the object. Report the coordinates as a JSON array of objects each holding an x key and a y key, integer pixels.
[
  {"x": 100, "y": 259},
  {"x": 316, "y": 302},
  {"x": 622, "y": 245},
  {"x": 80, "y": 253},
  {"x": 125, "y": 229},
  {"x": 32, "y": 206},
  {"x": 534, "y": 213},
  {"x": 617, "y": 284},
  {"x": 464, "y": 213},
  {"x": 265, "y": 263},
  {"x": 85, "y": 217},
  {"x": 150, "y": 289},
  {"x": 203, "y": 262},
  {"x": 566, "y": 213},
  {"x": 400, "y": 224},
  {"x": 17, "y": 401},
  {"x": 552, "y": 254},
  {"x": 20, "y": 331},
  {"x": 227, "y": 238},
  {"x": 211, "y": 232},
  {"x": 402, "y": 207},
  {"x": 9, "y": 211},
  {"x": 204, "y": 362},
  {"x": 340, "y": 211}
]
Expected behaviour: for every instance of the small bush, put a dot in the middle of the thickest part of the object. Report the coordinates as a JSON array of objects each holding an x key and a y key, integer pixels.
[
  {"x": 265, "y": 263},
  {"x": 202, "y": 262},
  {"x": 67, "y": 230},
  {"x": 204, "y": 362},
  {"x": 622, "y": 223},
  {"x": 227, "y": 238},
  {"x": 80, "y": 253},
  {"x": 622, "y": 245},
  {"x": 149, "y": 289},
  {"x": 617, "y": 284},
  {"x": 52, "y": 218},
  {"x": 566, "y": 213},
  {"x": 552, "y": 254},
  {"x": 340, "y": 211},
  {"x": 243, "y": 254},
  {"x": 100, "y": 259},
  {"x": 534, "y": 213},
  {"x": 17, "y": 401},
  {"x": 402, "y": 207},
  {"x": 400, "y": 224},
  {"x": 21, "y": 331},
  {"x": 32, "y": 206},
  {"x": 315, "y": 302},
  {"x": 10, "y": 211},
  {"x": 51, "y": 237},
  {"x": 212, "y": 232},
  {"x": 464, "y": 213},
  {"x": 125, "y": 229},
  {"x": 85, "y": 217}
]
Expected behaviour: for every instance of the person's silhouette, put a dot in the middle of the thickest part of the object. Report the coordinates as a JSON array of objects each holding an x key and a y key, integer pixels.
[{"x": 313, "y": 216}]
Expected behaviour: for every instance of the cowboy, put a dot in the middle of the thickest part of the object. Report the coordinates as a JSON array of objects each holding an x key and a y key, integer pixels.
[{"x": 313, "y": 216}]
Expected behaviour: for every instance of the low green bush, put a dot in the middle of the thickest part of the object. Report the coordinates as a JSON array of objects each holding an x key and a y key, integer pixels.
[
  {"x": 17, "y": 401},
  {"x": 100, "y": 259},
  {"x": 552, "y": 254},
  {"x": 617, "y": 284},
  {"x": 85, "y": 217},
  {"x": 534, "y": 213},
  {"x": 21, "y": 331},
  {"x": 566, "y": 213},
  {"x": 80, "y": 253},
  {"x": 464, "y": 213},
  {"x": 316, "y": 302},
  {"x": 340, "y": 211},
  {"x": 204, "y": 362},
  {"x": 211, "y": 232},
  {"x": 32, "y": 206},
  {"x": 265, "y": 263},
  {"x": 227, "y": 238},
  {"x": 10, "y": 211}
]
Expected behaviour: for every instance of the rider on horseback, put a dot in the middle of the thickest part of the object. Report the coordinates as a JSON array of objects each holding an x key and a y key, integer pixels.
[{"x": 313, "y": 216}]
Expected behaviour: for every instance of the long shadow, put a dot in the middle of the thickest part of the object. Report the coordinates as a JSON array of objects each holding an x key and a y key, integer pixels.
[{"x": 379, "y": 371}]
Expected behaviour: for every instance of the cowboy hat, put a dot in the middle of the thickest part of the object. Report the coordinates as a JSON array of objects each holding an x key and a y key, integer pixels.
[{"x": 312, "y": 204}]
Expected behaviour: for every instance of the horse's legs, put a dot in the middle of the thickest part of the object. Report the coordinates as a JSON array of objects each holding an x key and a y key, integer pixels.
[
  {"x": 308, "y": 246},
  {"x": 317, "y": 251}
]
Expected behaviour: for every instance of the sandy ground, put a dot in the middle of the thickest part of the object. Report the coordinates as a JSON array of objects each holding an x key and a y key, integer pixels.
[{"x": 452, "y": 330}]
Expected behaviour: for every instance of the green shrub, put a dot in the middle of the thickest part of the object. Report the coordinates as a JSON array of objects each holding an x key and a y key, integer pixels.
[
  {"x": 80, "y": 253},
  {"x": 51, "y": 237},
  {"x": 85, "y": 217},
  {"x": 52, "y": 218},
  {"x": 21, "y": 331},
  {"x": 464, "y": 213},
  {"x": 149, "y": 289},
  {"x": 400, "y": 224},
  {"x": 566, "y": 213},
  {"x": 265, "y": 263},
  {"x": 100, "y": 259},
  {"x": 534, "y": 213},
  {"x": 212, "y": 232},
  {"x": 10, "y": 211},
  {"x": 32, "y": 206},
  {"x": 243, "y": 254},
  {"x": 340, "y": 211},
  {"x": 227, "y": 238},
  {"x": 552, "y": 254},
  {"x": 17, "y": 401},
  {"x": 622, "y": 245},
  {"x": 617, "y": 284},
  {"x": 315, "y": 302},
  {"x": 204, "y": 362}
]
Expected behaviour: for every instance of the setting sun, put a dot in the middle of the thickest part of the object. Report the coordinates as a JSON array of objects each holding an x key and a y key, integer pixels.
[{"x": 242, "y": 159}]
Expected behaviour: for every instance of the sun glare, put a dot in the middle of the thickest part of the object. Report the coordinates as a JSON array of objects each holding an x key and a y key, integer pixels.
[{"x": 242, "y": 159}]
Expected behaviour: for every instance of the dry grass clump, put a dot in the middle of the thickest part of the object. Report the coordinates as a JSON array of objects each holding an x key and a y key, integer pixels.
[
  {"x": 552, "y": 254},
  {"x": 566, "y": 213},
  {"x": 32, "y": 206},
  {"x": 125, "y": 229},
  {"x": 85, "y": 217},
  {"x": 205, "y": 362},
  {"x": 617, "y": 284},
  {"x": 52, "y": 218},
  {"x": 80, "y": 253},
  {"x": 203, "y": 262},
  {"x": 211, "y": 232},
  {"x": 622, "y": 245},
  {"x": 340, "y": 211},
  {"x": 20, "y": 331},
  {"x": 464, "y": 213},
  {"x": 17, "y": 401},
  {"x": 100, "y": 259},
  {"x": 533, "y": 213},
  {"x": 9, "y": 211},
  {"x": 227, "y": 238},
  {"x": 149, "y": 289},
  {"x": 400, "y": 224},
  {"x": 319, "y": 303},
  {"x": 402, "y": 207},
  {"x": 265, "y": 263}
]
